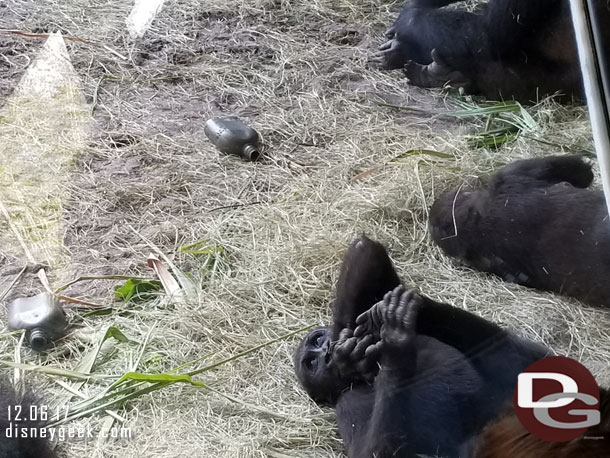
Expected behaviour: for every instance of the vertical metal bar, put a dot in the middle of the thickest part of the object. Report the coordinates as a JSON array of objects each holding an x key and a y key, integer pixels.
[
  {"x": 594, "y": 86},
  {"x": 602, "y": 65}
]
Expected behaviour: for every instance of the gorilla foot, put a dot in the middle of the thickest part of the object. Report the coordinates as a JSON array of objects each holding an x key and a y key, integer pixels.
[
  {"x": 393, "y": 319},
  {"x": 436, "y": 74},
  {"x": 400, "y": 317}
]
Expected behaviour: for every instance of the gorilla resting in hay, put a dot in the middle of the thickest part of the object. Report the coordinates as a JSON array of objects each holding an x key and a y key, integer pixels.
[
  {"x": 535, "y": 223},
  {"x": 520, "y": 49},
  {"x": 409, "y": 376}
]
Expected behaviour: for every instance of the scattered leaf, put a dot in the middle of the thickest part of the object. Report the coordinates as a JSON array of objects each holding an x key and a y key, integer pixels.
[
  {"x": 153, "y": 378},
  {"x": 137, "y": 290},
  {"x": 170, "y": 284}
]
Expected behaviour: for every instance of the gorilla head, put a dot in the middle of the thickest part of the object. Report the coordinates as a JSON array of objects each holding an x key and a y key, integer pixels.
[{"x": 315, "y": 368}]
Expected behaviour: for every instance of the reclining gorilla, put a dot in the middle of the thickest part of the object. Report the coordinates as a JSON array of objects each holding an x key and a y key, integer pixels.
[
  {"x": 409, "y": 376},
  {"x": 535, "y": 223},
  {"x": 520, "y": 49}
]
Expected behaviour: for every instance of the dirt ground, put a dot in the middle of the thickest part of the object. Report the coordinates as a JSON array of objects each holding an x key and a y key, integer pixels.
[{"x": 148, "y": 180}]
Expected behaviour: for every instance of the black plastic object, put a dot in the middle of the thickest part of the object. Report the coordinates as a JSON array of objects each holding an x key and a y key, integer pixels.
[
  {"x": 42, "y": 317},
  {"x": 232, "y": 136}
]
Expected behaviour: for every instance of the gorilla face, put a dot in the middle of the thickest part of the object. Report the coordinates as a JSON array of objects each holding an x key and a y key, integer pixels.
[
  {"x": 454, "y": 219},
  {"x": 315, "y": 368}
]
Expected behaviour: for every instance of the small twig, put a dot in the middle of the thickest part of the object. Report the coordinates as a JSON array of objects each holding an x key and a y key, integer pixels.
[
  {"x": 410, "y": 108},
  {"x": 15, "y": 280},
  {"x": 65, "y": 37},
  {"x": 17, "y": 376},
  {"x": 72, "y": 300},
  {"x": 455, "y": 228},
  {"x": 235, "y": 206}
]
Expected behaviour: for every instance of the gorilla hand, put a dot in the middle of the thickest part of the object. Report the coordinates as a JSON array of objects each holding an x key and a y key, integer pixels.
[{"x": 356, "y": 357}]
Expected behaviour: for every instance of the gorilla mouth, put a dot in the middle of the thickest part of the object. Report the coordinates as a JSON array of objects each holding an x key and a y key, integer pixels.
[{"x": 329, "y": 351}]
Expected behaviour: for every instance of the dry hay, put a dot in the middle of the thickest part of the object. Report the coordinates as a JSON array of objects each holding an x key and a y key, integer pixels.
[{"x": 297, "y": 72}]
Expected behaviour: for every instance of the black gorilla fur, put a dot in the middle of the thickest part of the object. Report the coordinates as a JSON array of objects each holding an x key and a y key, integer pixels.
[
  {"x": 19, "y": 447},
  {"x": 408, "y": 375},
  {"x": 520, "y": 49},
  {"x": 535, "y": 223}
]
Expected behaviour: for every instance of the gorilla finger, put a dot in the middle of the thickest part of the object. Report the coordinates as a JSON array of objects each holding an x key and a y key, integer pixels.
[
  {"x": 386, "y": 46},
  {"x": 373, "y": 352},
  {"x": 363, "y": 318},
  {"x": 386, "y": 297},
  {"x": 413, "y": 71},
  {"x": 411, "y": 67},
  {"x": 436, "y": 57},
  {"x": 346, "y": 333},
  {"x": 390, "y": 33},
  {"x": 397, "y": 292},
  {"x": 403, "y": 305},
  {"x": 346, "y": 348},
  {"x": 394, "y": 301},
  {"x": 377, "y": 60},
  {"x": 413, "y": 307},
  {"x": 366, "y": 368},
  {"x": 382, "y": 307},
  {"x": 361, "y": 347},
  {"x": 361, "y": 330},
  {"x": 373, "y": 349},
  {"x": 367, "y": 323}
]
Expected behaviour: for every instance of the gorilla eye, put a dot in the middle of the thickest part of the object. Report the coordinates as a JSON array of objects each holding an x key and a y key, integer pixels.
[{"x": 310, "y": 363}]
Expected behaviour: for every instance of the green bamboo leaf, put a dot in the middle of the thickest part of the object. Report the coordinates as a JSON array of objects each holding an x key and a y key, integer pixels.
[
  {"x": 116, "y": 333},
  {"x": 137, "y": 290},
  {"x": 154, "y": 378},
  {"x": 472, "y": 110},
  {"x": 133, "y": 384},
  {"x": 202, "y": 247},
  {"x": 86, "y": 363}
]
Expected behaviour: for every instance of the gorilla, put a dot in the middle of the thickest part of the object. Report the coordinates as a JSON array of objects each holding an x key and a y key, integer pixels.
[
  {"x": 519, "y": 49},
  {"x": 15, "y": 413},
  {"x": 407, "y": 376},
  {"x": 535, "y": 223}
]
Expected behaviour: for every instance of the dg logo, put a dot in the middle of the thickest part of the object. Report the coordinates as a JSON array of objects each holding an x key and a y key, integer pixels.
[{"x": 557, "y": 399}]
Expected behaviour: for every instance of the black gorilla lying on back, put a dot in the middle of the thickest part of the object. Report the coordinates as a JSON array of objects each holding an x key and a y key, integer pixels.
[
  {"x": 408, "y": 375},
  {"x": 520, "y": 49},
  {"x": 534, "y": 223}
]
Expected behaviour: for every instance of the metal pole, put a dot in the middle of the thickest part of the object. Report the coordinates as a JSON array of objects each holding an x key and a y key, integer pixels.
[{"x": 588, "y": 41}]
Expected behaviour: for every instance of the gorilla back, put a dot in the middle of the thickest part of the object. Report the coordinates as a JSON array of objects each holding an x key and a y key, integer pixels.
[{"x": 534, "y": 223}]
